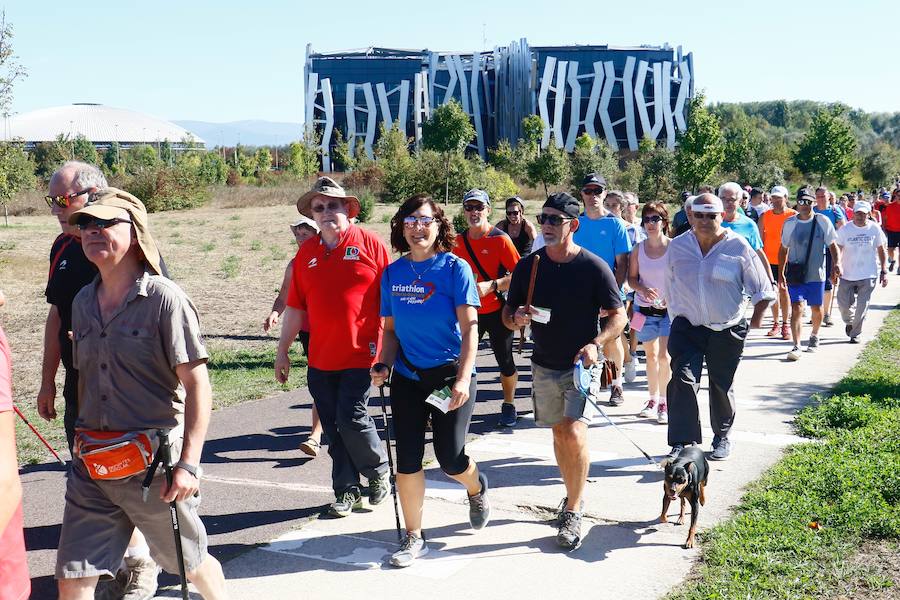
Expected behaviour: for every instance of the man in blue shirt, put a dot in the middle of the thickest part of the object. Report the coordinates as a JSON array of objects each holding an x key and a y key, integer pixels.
[
  {"x": 608, "y": 239},
  {"x": 730, "y": 194},
  {"x": 837, "y": 217}
]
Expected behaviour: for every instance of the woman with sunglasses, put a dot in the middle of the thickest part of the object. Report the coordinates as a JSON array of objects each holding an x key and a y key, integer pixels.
[
  {"x": 647, "y": 277},
  {"x": 429, "y": 303},
  {"x": 520, "y": 230}
]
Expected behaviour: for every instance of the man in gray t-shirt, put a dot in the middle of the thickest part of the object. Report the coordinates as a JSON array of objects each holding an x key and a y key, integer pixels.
[{"x": 805, "y": 238}]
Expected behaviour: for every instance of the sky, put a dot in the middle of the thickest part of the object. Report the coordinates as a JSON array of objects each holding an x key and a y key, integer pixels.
[{"x": 228, "y": 61}]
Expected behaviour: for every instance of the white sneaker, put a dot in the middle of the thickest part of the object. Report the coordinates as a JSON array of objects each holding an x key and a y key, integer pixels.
[
  {"x": 412, "y": 548},
  {"x": 629, "y": 370},
  {"x": 794, "y": 354},
  {"x": 649, "y": 409},
  {"x": 662, "y": 417}
]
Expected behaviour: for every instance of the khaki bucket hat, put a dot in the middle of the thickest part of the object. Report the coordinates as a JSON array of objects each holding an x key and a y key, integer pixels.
[
  {"x": 328, "y": 187},
  {"x": 107, "y": 204}
]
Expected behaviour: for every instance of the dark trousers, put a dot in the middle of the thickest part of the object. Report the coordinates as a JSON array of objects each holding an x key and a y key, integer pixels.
[
  {"x": 70, "y": 396},
  {"x": 341, "y": 398},
  {"x": 689, "y": 346}
]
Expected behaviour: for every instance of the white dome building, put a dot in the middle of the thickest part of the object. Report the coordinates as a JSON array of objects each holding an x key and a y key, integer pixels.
[{"x": 100, "y": 124}]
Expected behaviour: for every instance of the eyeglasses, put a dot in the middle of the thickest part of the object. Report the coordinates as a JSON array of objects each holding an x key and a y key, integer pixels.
[
  {"x": 710, "y": 216},
  {"x": 63, "y": 201},
  {"x": 333, "y": 206},
  {"x": 476, "y": 207},
  {"x": 651, "y": 219},
  {"x": 411, "y": 221},
  {"x": 593, "y": 191},
  {"x": 554, "y": 220},
  {"x": 805, "y": 201},
  {"x": 99, "y": 223},
  {"x": 513, "y": 213}
]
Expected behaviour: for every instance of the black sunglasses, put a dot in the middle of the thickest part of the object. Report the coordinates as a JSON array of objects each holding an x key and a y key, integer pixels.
[
  {"x": 710, "y": 216},
  {"x": 65, "y": 200},
  {"x": 554, "y": 220},
  {"x": 593, "y": 191},
  {"x": 651, "y": 219},
  {"x": 476, "y": 207},
  {"x": 513, "y": 213},
  {"x": 332, "y": 206},
  {"x": 88, "y": 222},
  {"x": 804, "y": 201}
]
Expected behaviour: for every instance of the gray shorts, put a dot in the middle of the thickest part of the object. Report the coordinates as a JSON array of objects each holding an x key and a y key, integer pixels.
[
  {"x": 554, "y": 397},
  {"x": 100, "y": 516}
]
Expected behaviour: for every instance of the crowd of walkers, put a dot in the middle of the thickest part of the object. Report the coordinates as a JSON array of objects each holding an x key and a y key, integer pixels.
[{"x": 593, "y": 281}]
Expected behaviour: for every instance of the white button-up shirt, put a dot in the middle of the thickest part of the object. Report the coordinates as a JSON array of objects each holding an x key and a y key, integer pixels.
[{"x": 711, "y": 291}]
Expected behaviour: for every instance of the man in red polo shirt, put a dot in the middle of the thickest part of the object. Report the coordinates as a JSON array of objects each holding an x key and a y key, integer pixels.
[
  {"x": 335, "y": 284},
  {"x": 494, "y": 259},
  {"x": 891, "y": 225}
]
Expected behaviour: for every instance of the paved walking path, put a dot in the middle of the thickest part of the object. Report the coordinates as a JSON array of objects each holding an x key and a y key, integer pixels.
[{"x": 262, "y": 498}]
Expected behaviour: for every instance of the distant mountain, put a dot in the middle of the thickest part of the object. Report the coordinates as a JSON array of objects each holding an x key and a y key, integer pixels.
[{"x": 247, "y": 133}]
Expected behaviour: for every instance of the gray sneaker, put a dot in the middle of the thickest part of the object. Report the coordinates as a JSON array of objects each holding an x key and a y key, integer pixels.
[
  {"x": 412, "y": 548},
  {"x": 721, "y": 450},
  {"x": 142, "y": 574},
  {"x": 813, "y": 343},
  {"x": 379, "y": 488},
  {"x": 629, "y": 370},
  {"x": 616, "y": 396},
  {"x": 569, "y": 534},
  {"x": 479, "y": 505},
  {"x": 346, "y": 502}
]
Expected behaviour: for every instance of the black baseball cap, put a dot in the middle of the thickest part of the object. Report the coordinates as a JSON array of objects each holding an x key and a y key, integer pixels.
[
  {"x": 565, "y": 203},
  {"x": 806, "y": 193},
  {"x": 593, "y": 179}
]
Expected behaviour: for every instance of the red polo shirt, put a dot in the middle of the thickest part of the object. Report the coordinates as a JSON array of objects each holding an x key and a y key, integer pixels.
[{"x": 339, "y": 290}]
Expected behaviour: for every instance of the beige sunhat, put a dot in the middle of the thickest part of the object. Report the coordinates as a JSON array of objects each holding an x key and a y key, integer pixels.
[{"x": 328, "y": 187}]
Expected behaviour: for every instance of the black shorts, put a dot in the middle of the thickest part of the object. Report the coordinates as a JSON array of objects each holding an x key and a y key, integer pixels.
[
  {"x": 828, "y": 266},
  {"x": 893, "y": 239},
  {"x": 501, "y": 338}
]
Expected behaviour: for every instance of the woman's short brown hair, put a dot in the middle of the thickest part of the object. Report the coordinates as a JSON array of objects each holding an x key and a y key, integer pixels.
[
  {"x": 660, "y": 209},
  {"x": 446, "y": 236}
]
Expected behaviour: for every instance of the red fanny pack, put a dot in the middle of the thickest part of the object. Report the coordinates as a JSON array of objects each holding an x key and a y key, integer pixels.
[{"x": 113, "y": 454}]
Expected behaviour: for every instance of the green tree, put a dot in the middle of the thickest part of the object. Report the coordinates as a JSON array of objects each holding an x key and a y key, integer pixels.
[
  {"x": 10, "y": 69},
  {"x": 166, "y": 153},
  {"x": 263, "y": 159},
  {"x": 448, "y": 130},
  {"x": 508, "y": 159},
  {"x": 16, "y": 174},
  {"x": 701, "y": 149},
  {"x": 340, "y": 153},
  {"x": 212, "y": 168},
  {"x": 549, "y": 168},
  {"x": 47, "y": 157},
  {"x": 658, "y": 176},
  {"x": 828, "y": 149},
  {"x": 533, "y": 131},
  {"x": 302, "y": 160},
  {"x": 111, "y": 159},
  {"x": 591, "y": 156},
  {"x": 140, "y": 159},
  {"x": 880, "y": 164},
  {"x": 84, "y": 150}
]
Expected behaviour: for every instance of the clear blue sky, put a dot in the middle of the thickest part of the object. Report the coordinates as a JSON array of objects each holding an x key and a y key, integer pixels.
[{"x": 226, "y": 61}]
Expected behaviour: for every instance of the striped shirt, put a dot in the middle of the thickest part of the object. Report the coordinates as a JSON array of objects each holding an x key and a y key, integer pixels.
[{"x": 711, "y": 291}]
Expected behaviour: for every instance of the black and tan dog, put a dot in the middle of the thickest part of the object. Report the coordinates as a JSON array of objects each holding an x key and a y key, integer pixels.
[{"x": 686, "y": 476}]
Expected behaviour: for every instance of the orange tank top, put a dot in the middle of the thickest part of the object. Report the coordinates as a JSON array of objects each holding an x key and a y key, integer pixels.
[{"x": 771, "y": 226}]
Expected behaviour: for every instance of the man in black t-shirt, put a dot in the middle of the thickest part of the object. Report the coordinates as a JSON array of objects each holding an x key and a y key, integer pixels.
[{"x": 571, "y": 287}]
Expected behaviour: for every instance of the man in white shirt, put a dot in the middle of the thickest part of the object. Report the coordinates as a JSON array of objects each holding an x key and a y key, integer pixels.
[
  {"x": 711, "y": 270},
  {"x": 861, "y": 241}
]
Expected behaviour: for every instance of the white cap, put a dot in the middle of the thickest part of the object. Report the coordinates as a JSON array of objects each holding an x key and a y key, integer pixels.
[
  {"x": 862, "y": 206},
  {"x": 713, "y": 207},
  {"x": 689, "y": 201},
  {"x": 302, "y": 220},
  {"x": 779, "y": 190}
]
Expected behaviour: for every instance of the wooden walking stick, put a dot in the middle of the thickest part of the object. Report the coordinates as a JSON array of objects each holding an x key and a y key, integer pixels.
[{"x": 534, "y": 268}]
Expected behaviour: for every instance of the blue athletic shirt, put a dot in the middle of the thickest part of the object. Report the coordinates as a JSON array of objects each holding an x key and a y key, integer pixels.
[
  {"x": 747, "y": 229},
  {"x": 834, "y": 214},
  {"x": 424, "y": 311},
  {"x": 604, "y": 237}
]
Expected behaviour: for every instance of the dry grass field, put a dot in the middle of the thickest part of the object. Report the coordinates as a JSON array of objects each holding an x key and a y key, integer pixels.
[{"x": 230, "y": 260}]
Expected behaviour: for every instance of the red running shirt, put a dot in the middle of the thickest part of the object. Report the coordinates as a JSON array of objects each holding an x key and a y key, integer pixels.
[
  {"x": 340, "y": 291},
  {"x": 891, "y": 215}
]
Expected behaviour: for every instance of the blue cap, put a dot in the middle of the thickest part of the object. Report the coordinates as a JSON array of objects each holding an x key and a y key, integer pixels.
[{"x": 479, "y": 195}]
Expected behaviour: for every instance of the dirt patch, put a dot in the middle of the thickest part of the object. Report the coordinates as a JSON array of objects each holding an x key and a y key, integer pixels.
[{"x": 875, "y": 573}]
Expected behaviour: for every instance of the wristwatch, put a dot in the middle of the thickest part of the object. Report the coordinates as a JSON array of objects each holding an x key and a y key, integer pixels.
[
  {"x": 494, "y": 285},
  {"x": 196, "y": 471}
]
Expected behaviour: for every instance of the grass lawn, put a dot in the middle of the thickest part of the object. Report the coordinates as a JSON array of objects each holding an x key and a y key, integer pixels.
[{"x": 824, "y": 521}]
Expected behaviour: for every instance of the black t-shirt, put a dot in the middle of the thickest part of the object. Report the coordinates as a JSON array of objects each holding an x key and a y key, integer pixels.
[
  {"x": 574, "y": 292},
  {"x": 70, "y": 270}
]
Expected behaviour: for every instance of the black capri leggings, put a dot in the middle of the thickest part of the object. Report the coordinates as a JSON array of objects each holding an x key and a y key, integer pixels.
[
  {"x": 501, "y": 338},
  {"x": 449, "y": 430}
]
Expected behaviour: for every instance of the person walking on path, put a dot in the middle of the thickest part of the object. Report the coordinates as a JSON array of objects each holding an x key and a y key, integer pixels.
[
  {"x": 616, "y": 203},
  {"x": 710, "y": 272},
  {"x": 837, "y": 217},
  {"x": 70, "y": 187},
  {"x": 805, "y": 239},
  {"x": 429, "y": 304},
  {"x": 770, "y": 225},
  {"x": 492, "y": 256},
  {"x": 14, "y": 581},
  {"x": 142, "y": 369},
  {"x": 741, "y": 224},
  {"x": 303, "y": 229},
  {"x": 647, "y": 277},
  {"x": 891, "y": 225},
  {"x": 519, "y": 229},
  {"x": 758, "y": 205},
  {"x": 863, "y": 258},
  {"x": 335, "y": 286},
  {"x": 608, "y": 239},
  {"x": 570, "y": 287}
]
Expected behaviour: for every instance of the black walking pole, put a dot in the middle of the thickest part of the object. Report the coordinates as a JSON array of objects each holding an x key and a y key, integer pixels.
[
  {"x": 165, "y": 454},
  {"x": 393, "y": 478}
]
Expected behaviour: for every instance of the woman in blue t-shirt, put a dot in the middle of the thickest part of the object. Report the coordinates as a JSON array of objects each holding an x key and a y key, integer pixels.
[{"x": 429, "y": 302}]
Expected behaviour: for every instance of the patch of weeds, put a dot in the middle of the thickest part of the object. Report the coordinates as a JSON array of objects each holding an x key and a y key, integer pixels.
[
  {"x": 256, "y": 245},
  {"x": 7, "y": 245},
  {"x": 231, "y": 266},
  {"x": 386, "y": 218},
  {"x": 175, "y": 234},
  {"x": 277, "y": 253},
  {"x": 236, "y": 235},
  {"x": 234, "y": 218},
  {"x": 208, "y": 247}
]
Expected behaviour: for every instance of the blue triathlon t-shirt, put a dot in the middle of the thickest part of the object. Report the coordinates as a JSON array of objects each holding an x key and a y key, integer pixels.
[
  {"x": 422, "y": 297},
  {"x": 604, "y": 237},
  {"x": 747, "y": 229}
]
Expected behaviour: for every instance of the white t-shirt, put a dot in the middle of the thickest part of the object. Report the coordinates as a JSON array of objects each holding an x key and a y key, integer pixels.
[{"x": 860, "y": 250}]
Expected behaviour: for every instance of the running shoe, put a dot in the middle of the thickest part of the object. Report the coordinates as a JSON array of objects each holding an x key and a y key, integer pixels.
[
  {"x": 616, "y": 396},
  {"x": 662, "y": 416},
  {"x": 142, "y": 574},
  {"x": 813, "y": 343},
  {"x": 412, "y": 548},
  {"x": 346, "y": 502},
  {"x": 891, "y": 264},
  {"x": 568, "y": 535},
  {"x": 649, "y": 409},
  {"x": 675, "y": 451},
  {"x": 721, "y": 449},
  {"x": 629, "y": 370},
  {"x": 479, "y": 505},
  {"x": 854, "y": 340},
  {"x": 847, "y": 329},
  {"x": 794, "y": 354},
  {"x": 827, "y": 322},
  {"x": 379, "y": 488},
  {"x": 508, "y": 416}
]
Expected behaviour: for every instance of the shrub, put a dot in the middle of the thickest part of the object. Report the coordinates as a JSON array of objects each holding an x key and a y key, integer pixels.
[
  {"x": 366, "y": 205},
  {"x": 498, "y": 185},
  {"x": 234, "y": 178}
]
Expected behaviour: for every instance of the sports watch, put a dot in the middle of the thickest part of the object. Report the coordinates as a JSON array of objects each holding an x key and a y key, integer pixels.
[{"x": 196, "y": 471}]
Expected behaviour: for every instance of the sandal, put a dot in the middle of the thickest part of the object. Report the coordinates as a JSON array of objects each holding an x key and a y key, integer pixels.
[{"x": 310, "y": 447}]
